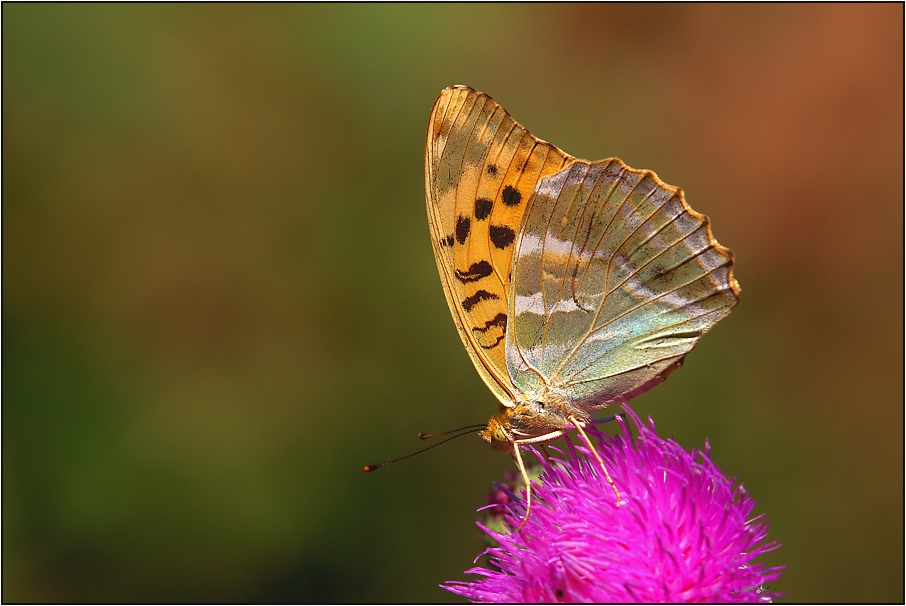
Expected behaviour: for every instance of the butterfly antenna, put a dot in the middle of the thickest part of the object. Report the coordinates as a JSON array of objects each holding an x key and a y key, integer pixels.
[
  {"x": 425, "y": 436},
  {"x": 379, "y": 465}
]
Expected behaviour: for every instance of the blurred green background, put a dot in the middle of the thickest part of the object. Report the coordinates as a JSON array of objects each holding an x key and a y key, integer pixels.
[{"x": 220, "y": 300}]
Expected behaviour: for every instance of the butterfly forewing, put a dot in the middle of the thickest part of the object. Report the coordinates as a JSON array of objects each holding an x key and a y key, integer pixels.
[
  {"x": 615, "y": 279},
  {"x": 481, "y": 167}
]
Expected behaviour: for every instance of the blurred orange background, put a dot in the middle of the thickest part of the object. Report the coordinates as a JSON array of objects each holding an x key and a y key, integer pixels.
[{"x": 220, "y": 301}]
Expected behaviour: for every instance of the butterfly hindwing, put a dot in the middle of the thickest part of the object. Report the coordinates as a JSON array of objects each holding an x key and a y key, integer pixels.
[
  {"x": 481, "y": 167},
  {"x": 615, "y": 279}
]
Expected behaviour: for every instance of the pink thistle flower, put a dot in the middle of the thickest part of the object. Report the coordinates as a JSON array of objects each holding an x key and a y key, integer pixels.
[{"x": 682, "y": 533}]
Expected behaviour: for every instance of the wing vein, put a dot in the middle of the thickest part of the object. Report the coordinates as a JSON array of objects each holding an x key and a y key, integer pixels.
[
  {"x": 617, "y": 180},
  {"x": 572, "y": 201},
  {"x": 643, "y": 304},
  {"x": 593, "y": 327}
]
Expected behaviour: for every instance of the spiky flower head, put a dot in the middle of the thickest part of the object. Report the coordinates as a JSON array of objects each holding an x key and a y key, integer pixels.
[{"x": 681, "y": 534}]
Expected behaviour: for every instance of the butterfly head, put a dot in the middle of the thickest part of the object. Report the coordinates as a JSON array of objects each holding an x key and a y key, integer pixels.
[{"x": 496, "y": 433}]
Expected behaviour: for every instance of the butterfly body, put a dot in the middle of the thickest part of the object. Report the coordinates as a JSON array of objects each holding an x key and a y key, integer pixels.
[
  {"x": 526, "y": 422},
  {"x": 574, "y": 285}
]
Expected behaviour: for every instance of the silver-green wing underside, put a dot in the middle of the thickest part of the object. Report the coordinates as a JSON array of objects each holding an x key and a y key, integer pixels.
[{"x": 614, "y": 280}]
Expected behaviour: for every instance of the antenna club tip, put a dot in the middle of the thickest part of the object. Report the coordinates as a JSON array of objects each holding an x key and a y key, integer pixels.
[
  {"x": 371, "y": 467},
  {"x": 423, "y": 435}
]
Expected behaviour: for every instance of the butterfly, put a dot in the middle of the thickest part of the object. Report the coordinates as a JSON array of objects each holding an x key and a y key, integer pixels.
[{"x": 574, "y": 285}]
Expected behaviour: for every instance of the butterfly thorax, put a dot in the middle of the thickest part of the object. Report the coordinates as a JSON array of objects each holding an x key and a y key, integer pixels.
[{"x": 532, "y": 419}]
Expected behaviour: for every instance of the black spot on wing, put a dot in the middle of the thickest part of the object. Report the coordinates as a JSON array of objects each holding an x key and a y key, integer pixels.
[
  {"x": 463, "y": 224},
  {"x": 492, "y": 170},
  {"x": 482, "y": 295},
  {"x": 448, "y": 241},
  {"x": 502, "y": 236},
  {"x": 511, "y": 196},
  {"x": 483, "y": 208},
  {"x": 499, "y": 320},
  {"x": 476, "y": 272},
  {"x": 495, "y": 343}
]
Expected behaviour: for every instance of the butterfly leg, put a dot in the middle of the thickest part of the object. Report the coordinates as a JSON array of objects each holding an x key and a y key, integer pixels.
[
  {"x": 547, "y": 455},
  {"x": 518, "y": 456},
  {"x": 528, "y": 484},
  {"x": 603, "y": 420},
  {"x": 597, "y": 457}
]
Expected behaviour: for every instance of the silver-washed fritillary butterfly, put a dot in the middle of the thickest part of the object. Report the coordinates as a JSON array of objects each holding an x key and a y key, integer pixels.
[{"x": 573, "y": 284}]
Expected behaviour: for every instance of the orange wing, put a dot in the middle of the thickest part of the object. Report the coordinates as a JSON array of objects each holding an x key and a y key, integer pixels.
[{"x": 481, "y": 167}]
